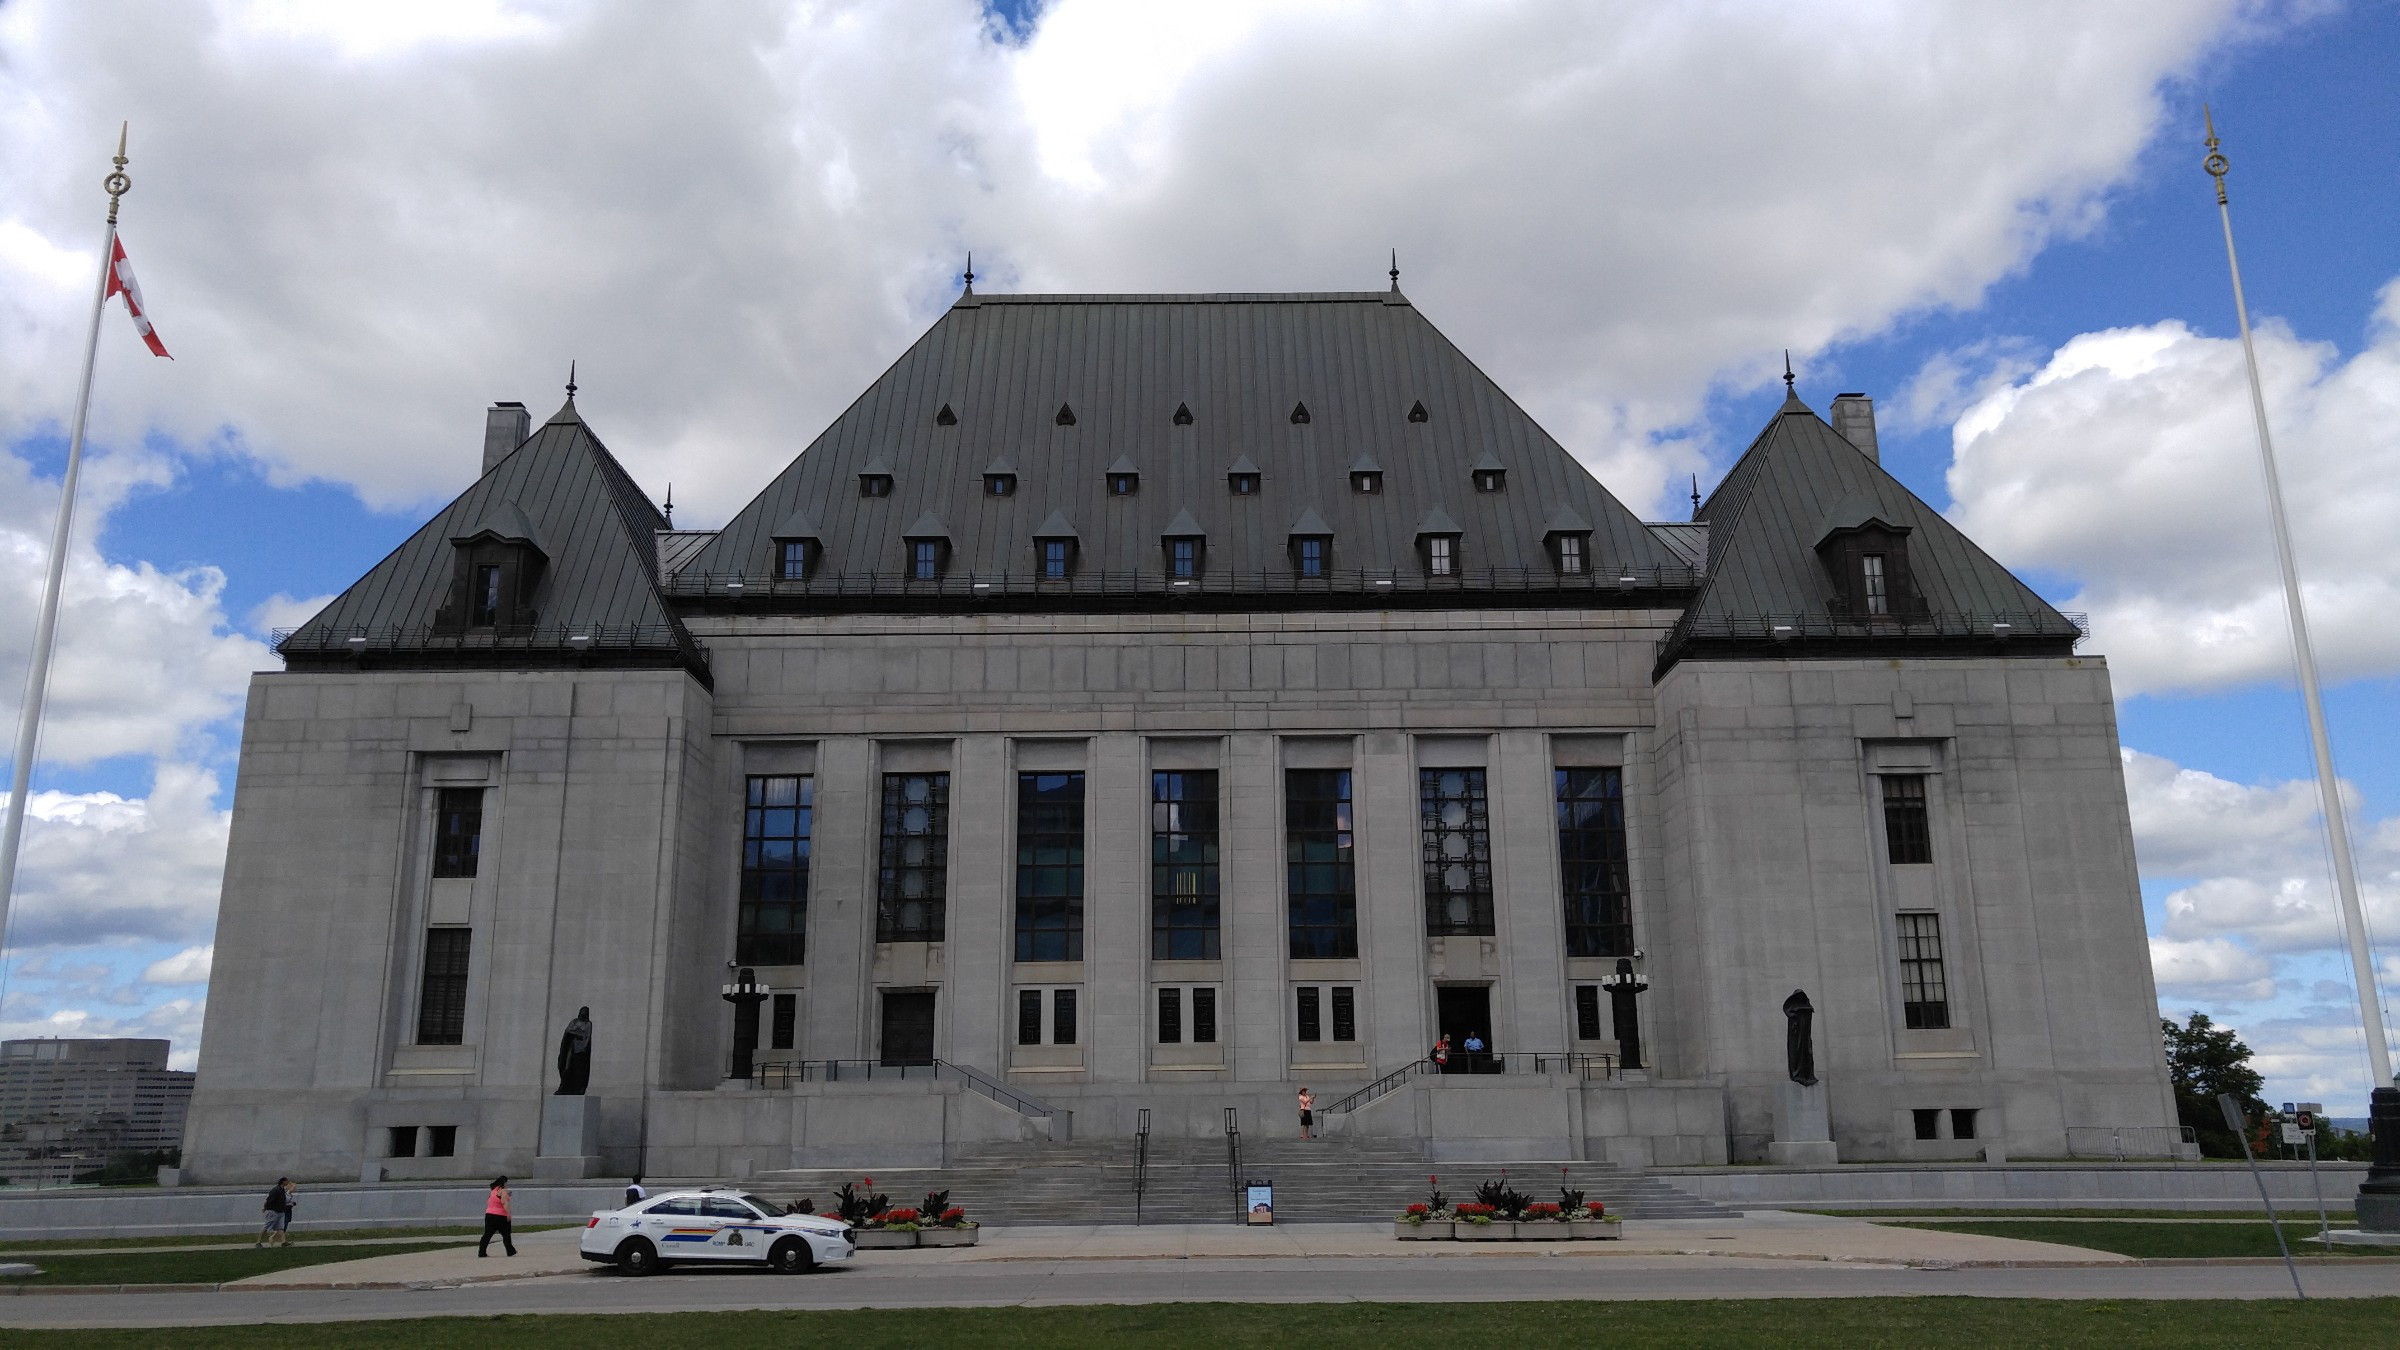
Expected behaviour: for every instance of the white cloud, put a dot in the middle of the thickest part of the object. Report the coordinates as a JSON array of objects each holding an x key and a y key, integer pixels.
[
  {"x": 2129, "y": 462},
  {"x": 285, "y": 611},
  {"x": 98, "y": 866},
  {"x": 2210, "y": 969},
  {"x": 189, "y": 966},
  {"x": 356, "y": 228},
  {"x": 176, "y": 1020}
]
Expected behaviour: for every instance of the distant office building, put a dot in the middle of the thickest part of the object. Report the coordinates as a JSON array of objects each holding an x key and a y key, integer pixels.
[{"x": 66, "y": 1105}]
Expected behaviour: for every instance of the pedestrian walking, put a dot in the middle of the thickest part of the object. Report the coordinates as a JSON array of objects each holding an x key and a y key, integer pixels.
[
  {"x": 1441, "y": 1054},
  {"x": 1308, "y": 1112},
  {"x": 276, "y": 1215},
  {"x": 496, "y": 1220},
  {"x": 634, "y": 1194}
]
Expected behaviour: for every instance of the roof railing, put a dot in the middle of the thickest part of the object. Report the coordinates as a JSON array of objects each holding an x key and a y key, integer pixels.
[
  {"x": 970, "y": 586},
  {"x": 1993, "y": 624}
]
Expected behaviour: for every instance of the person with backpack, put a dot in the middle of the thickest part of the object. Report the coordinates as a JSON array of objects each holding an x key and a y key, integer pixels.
[
  {"x": 496, "y": 1220},
  {"x": 634, "y": 1194},
  {"x": 277, "y": 1215}
]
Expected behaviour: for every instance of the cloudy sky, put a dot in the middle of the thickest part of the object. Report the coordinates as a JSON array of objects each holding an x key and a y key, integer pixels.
[{"x": 357, "y": 225}]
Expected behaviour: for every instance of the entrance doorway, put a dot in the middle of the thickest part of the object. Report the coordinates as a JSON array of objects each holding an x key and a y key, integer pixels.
[
  {"x": 1464, "y": 1010},
  {"x": 907, "y": 1026}
]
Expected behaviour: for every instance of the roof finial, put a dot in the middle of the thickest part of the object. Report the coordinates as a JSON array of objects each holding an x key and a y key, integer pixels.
[
  {"x": 2216, "y": 163},
  {"x": 970, "y": 271},
  {"x": 1695, "y": 496},
  {"x": 670, "y": 506},
  {"x": 1789, "y": 392},
  {"x": 1395, "y": 269},
  {"x": 570, "y": 381}
]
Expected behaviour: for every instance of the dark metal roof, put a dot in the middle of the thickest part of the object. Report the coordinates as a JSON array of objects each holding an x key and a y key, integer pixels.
[
  {"x": 1125, "y": 364},
  {"x": 1766, "y": 583},
  {"x": 599, "y": 532}
]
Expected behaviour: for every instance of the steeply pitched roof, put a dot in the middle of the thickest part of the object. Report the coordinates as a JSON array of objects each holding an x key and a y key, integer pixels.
[
  {"x": 1799, "y": 481},
  {"x": 599, "y": 532},
  {"x": 1359, "y": 361}
]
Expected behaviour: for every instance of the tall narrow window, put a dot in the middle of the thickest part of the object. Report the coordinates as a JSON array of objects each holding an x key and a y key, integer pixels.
[
  {"x": 1587, "y": 1012},
  {"x": 1183, "y": 558},
  {"x": 486, "y": 608},
  {"x": 1204, "y": 1016},
  {"x": 782, "y": 1031},
  {"x": 1457, "y": 836},
  {"x": 1321, "y": 880},
  {"x": 1308, "y": 555},
  {"x": 1924, "y": 993},
  {"x": 1170, "y": 1017},
  {"x": 457, "y": 831},
  {"x": 442, "y": 999},
  {"x": 1591, "y": 862},
  {"x": 1345, "y": 1013},
  {"x": 915, "y": 879},
  {"x": 1029, "y": 1017},
  {"x": 1907, "y": 834},
  {"x": 925, "y": 559},
  {"x": 773, "y": 924},
  {"x": 1877, "y": 593},
  {"x": 1183, "y": 866},
  {"x": 795, "y": 560},
  {"x": 1567, "y": 550},
  {"x": 1049, "y": 866},
  {"x": 1441, "y": 555},
  {"x": 1056, "y": 553},
  {"x": 1310, "y": 1023},
  {"x": 1062, "y": 1017}
]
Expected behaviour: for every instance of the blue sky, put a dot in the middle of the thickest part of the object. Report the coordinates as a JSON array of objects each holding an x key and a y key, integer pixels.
[{"x": 308, "y": 425}]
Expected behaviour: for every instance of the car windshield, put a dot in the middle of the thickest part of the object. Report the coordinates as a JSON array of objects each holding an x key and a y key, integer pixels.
[{"x": 765, "y": 1206}]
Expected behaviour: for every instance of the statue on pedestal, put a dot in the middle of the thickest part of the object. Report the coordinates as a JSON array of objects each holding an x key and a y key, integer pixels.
[
  {"x": 1799, "y": 1053},
  {"x": 575, "y": 1055},
  {"x": 1623, "y": 988}
]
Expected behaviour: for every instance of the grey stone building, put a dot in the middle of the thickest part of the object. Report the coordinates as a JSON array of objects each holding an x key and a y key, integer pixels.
[
  {"x": 1166, "y": 702},
  {"x": 66, "y": 1105}
]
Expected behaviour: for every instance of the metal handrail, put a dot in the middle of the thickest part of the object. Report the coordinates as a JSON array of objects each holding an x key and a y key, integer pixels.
[
  {"x": 1381, "y": 1087},
  {"x": 1233, "y": 1160},
  {"x": 778, "y": 1073},
  {"x": 742, "y": 587},
  {"x": 1141, "y": 1160},
  {"x": 1584, "y": 1064},
  {"x": 1778, "y": 627},
  {"x": 2121, "y": 1142}
]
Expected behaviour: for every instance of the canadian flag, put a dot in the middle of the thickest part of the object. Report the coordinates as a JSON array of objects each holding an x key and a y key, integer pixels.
[{"x": 121, "y": 282}]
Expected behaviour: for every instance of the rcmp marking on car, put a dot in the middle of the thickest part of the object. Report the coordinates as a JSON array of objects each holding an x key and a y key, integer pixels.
[{"x": 713, "y": 1225}]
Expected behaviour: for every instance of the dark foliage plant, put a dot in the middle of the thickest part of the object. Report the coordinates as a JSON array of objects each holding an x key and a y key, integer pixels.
[
  {"x": 1508, "y": 1202},
  {"x": 936, "y": 1203},
  {"x": 856, "y": 1208}
]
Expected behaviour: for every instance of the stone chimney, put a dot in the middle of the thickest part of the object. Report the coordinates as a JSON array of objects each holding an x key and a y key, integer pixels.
[
  {"x": 507, "y": 425},
  {"x": 1854, "y": 417}
]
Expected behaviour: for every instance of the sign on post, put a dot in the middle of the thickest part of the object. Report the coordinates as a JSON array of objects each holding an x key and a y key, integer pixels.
[{"x": 1258, "y": 1199}]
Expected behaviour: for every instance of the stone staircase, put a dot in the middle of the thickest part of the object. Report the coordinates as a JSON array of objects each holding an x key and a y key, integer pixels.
[{"x": 1321, "y": 1180}]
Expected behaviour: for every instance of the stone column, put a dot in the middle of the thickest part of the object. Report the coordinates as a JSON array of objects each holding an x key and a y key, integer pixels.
[
  {"x": 1254, "y": 936},
  {"x": 1116, "y": 908},
  {"x": 1532, "y": 915},
  {"x": 836, "y": 1022},
  {"x": 980, "y": 931},
  {"x": 1391, "y": 903}
]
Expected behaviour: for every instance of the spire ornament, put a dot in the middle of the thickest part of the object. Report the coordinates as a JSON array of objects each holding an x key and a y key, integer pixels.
[
  {"x": 1788, "y": 390},
  {"x": 2216, "y": 164},
  {"x": 118, "y": 183},
  {"x": 1395, "y": 269},
  {"x": 570, "y": 381},
  {"x": 970, "y": 271}
]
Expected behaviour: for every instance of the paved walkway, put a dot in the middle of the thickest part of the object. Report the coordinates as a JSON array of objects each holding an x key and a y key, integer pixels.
[{"x": 1767, "y": 1235}]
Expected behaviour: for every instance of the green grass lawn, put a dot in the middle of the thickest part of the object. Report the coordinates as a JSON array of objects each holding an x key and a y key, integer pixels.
[
  {"x": 2157, "y": 1239},
  {"x": 206, "y": 1267},
  {"x": 2339, "y": 1213},
  {"x": 1224, "y": 1326}
]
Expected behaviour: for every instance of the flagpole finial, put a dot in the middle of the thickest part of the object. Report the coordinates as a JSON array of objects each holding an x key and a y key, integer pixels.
[
  {"x": 2216, "y": 164},
  {"x": 970, "y": 271},
  {"x": 570, "y": 381},
  {"x": 118, "y": 183}
]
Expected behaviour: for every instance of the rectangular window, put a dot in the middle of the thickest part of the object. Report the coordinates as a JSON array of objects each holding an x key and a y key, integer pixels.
[
  {"x": 776, "y": 822},
  {"x": 1183, "y": 558},
  {"x": 1345, "y": 1013},
  {"x": 1907, "y": 833},
  {"x": 1321, "y": 874},
  {"x": 1591, "y": 862},
  {"x": 1309, "y": 557},
  {"x": 1570, "y": 555},
  {"x": 1029, "y": 1017},
  {"x": 795, "y": 560},
  {"x": 1054, "y": 559},
  {"x": 457, "y": 831},
  {"x": 1962, "y": 1123},
  {"x": 1049, "y": 866},
  {"x": 1878, "y": 595},
  {"x": 1928, "y": 1123},
  {"x": 1183, "y": 866},
  {"x": 1310, "y": 1023},
  {"x": 914, "y": 880},
  {"x": 404, "y": 1142},
  {"x": 442, "y": 999},
  {"x": 925, "y": 559},
  {"x": 1204, "y": 1016},
  {"x": 1924, "y": 994},
  {"x": 781, "y": 1033},
  {"x": 1441, "y": 555},
  {"x": 1170, "y": 1017},
  {"x": 486, "y": 607},
  {"x": 1062, "y": 1017},
  {"x": 441, "y": 1141},
  {"x": 1455, "y": 824},
  {"x": 1587, "y": 1012}
]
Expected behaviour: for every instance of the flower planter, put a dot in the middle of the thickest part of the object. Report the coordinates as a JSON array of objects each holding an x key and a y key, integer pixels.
[
  {"x": 1596, "y": 1229},
  {"x": 947, "y": 1237},
  {"x": 1495, "y": 1231},
  {"x": 884, "y": 1239},
  {"x": 1432, "y": 1230},
  {"x": 1543, "y": 1230}
]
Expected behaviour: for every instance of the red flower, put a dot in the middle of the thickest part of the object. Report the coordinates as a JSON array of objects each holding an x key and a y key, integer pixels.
[
  {"x": 953, "y": 1214},
  {"x": 1419, "y": 1209},
  {"x": 899, "y": 1216},
  {"x": 868, "y": 1182},
  {"x": 1597, "y": 1208}
]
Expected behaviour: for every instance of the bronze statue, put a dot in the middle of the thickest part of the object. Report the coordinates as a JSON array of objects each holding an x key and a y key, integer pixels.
[
  {"x": 1799, "y": 1055},
  {"x": 575, "y": 1055}
]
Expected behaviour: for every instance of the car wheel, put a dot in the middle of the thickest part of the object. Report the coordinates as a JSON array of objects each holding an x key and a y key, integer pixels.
[
  {"x": 638, "y": 1257},
  {"x": 792, "y": 1257}
]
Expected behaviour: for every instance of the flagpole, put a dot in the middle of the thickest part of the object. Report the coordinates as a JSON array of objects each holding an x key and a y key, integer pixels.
[{"x": 45, "y": 629}]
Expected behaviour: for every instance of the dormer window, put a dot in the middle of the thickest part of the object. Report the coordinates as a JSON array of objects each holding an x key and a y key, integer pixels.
[
  {"x": 1124, "y": 484},
  {"x": 874, "y": 485},
  {"x": 1866, "y": 556},
  {"x": 1491, "y": 480},
  {"x": 1571, "y": 553},
  {"x": 792, "y": 560},
  {"x": 1058, "y": 558},
  {"x": 486, "y": 608},
  {"x": 927, "y": 559},
  {"x": 1874, "y": 585},
  {"x": 1000, "y": 485},
  {"x": 796, "y": 547},
  {"x": 1185, "y": 555},
  {"x": 499, "y": 566},
  {"x": 1439, "y": 553},
  {"x": 1310, "y": 554},
  {"x": 1242, "y": 484},
  {"x": 1366, "y": 482}
]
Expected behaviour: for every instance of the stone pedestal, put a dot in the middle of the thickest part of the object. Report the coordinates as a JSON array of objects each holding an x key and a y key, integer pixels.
[
  {"x": 1803, "y": 1127},
  {"x": 570, "y": 1138}
]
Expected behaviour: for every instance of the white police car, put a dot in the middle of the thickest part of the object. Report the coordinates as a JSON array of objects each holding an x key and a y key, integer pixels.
[{"x": 715, "y": 1226}]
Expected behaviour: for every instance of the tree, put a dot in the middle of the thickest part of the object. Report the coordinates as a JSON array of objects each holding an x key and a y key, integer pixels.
[{"x": 2203, "y": 1060}]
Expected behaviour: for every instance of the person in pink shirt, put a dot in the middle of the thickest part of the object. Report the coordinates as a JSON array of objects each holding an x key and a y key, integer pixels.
[{"x": 496, "y": 1220}]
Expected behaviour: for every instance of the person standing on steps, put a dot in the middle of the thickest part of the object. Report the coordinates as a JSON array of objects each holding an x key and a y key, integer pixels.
[
  {"x": 1441, "y": 1054},
  {"x": 496, "y": 1220},
  {"x": 1308, "y": 1112},
  {"x": 276, "y": 1214}
]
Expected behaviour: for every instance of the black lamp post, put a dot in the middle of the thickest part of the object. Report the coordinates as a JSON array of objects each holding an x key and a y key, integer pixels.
[{"x": 745, "y": 994}]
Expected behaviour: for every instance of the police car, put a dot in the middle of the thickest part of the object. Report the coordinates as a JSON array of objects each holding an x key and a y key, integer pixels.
[{"x": 716, "y": 1226}]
